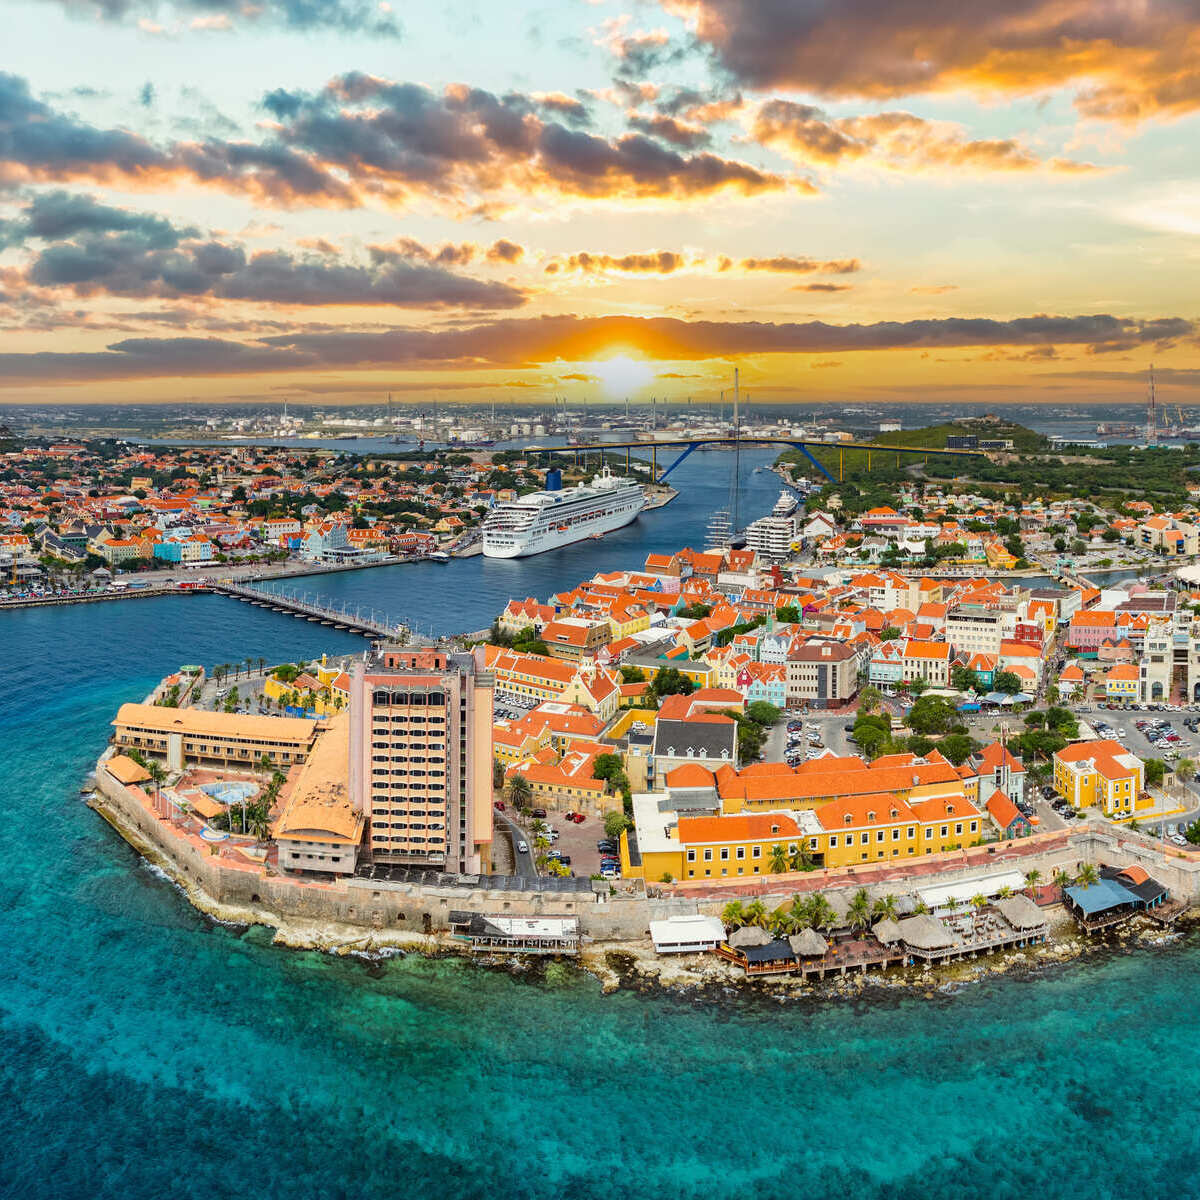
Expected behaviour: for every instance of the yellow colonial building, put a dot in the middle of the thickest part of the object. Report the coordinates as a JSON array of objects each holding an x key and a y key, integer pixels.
[{"x": 1101, "y": 773}]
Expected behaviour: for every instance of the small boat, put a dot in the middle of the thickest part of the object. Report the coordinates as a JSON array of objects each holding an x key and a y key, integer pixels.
[{"x": 439, "y": 556}]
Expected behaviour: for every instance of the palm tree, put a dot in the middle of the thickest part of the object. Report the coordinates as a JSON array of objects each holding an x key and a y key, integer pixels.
[
  {"x": 520, "y": 792},
  {"x": 978, "y": 902},
  {"x": 819, "y": 912},
  {"x": 158, "y": 776},
  {"x": 1088, "y": 875},
  {"x": 952, "y": 903},
  {"x": 800, "y": 911},
  {"x": 1061, "y": 878},
  {"x": 859, "y": 912},
  {"x": 262, "y": 665},
  {"x": 885, "y": 908},
  {"x": 756, "y": 913},
  {"x": 920, "y": 908},
  {"x": 249, "y": 667},
  {"x": 1031, "y": 880},
  {"x": 781, "y": 922},
  {"x": 260, "y": 823},
  {"x": 778, "y": 860},
  {"x": 799, "y": 857},
  {"x": 733, "y": 915},
  {"x": 1005, "y": 893}
]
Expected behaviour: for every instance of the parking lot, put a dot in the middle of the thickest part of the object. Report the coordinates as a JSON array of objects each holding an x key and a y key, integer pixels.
[{"x": 576, "y": 842}]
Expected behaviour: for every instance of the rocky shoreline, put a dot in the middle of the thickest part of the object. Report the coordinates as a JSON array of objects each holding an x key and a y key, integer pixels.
[
  {"x": 703, "y": 977},
  {"x": 634, "y": 965}
]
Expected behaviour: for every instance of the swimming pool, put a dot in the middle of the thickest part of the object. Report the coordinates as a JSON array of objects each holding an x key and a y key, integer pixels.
[{"x": 230, "y": 793}]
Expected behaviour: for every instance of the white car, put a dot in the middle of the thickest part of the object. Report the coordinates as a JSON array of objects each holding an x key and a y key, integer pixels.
[{"x": 522, "y": 847}]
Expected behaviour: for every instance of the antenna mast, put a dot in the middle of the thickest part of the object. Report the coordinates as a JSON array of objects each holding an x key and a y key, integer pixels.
[{"x": 1151, "y": 413}]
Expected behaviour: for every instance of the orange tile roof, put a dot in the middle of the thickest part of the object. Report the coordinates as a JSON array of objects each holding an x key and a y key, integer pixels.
[{"x": 740, "y": 827}]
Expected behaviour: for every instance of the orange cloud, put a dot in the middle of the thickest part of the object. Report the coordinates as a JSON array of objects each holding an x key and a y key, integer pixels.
[
  {"x": 893, "y": 139},
  {"x": 1126, "y": 60}
]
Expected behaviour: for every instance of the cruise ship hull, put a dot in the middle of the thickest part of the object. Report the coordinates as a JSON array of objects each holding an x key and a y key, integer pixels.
[{"x": 554, "y": 539}]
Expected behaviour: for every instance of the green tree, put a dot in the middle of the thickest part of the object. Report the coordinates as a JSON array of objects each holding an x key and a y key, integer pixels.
[
  {"x": 1032, "y": 878},
  {"x": 615, "y": 824},
  {"x": 819, "y": 913},
  {"x": 1185, "y": 770},
  {"x": 762, "y": 713},
  {"x": 520, "y": 793},
  {"x": 858, "y": 914},
  {"x": 869, "y": 699},
  {"x": 962, "y": 679},
  {"x": 1155, "y": 770},
  {"x": 670, "y": 681},
  {"x": 885, "y": 907},
  {"x": 1006, "y": 682},
  {"x": 799, "y": 857},
  {"x": 932, "y": 714},
  {"x": 871, "y": 739},
  {"x": 733, "y": 915},
  {"x": 756, "y": 913},
  {"x": 1088, "y": 875},
  {"x": 778, "y": 860},
  {"x": 957, "y": 747}
]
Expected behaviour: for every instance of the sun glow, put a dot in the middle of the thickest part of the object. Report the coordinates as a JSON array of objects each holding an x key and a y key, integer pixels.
[{"x": 621, "y": 374}]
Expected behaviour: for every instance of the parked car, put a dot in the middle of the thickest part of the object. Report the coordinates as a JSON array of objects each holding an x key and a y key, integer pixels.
[
  {"x": 538, "y": 812},
  {"x": 500, "y": 805},
  {"x": 522, "y": 846}
]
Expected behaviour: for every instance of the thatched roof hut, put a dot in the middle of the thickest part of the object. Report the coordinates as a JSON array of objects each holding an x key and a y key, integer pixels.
[
  {"x": 924, "y": 932},
  {"x": 1021, "y": 912},
  {"x": 887, "y": 931},
  {"x": 747, "y": 936},
  {"x": 808, "y": 943}
]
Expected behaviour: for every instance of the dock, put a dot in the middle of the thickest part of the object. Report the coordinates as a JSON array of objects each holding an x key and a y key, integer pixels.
[{"x": 371, "y": 624}]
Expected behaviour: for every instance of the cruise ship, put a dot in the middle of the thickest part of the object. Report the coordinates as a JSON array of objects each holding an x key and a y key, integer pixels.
[
  {"x": 557, "y": 517},
  {"x": 785, "y": 505}
]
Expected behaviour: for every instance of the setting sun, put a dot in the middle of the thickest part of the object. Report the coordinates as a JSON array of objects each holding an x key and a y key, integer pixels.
[{"x": 621, "y": 374}]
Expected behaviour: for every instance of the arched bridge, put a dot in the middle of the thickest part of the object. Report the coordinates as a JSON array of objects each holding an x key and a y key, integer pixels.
[{"x": 688, "y": 443}]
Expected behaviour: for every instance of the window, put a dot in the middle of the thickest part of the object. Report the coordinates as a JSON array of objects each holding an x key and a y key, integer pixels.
[
  {"x": 691, "y": 856},
  {"x": 866, "y": 837},
  {"x": 833, "y": 841},
  {"x": 756, "y": 853},
  {"x": 724, "y": 853},
  {"x": 707, "y": 857},
  {"x": 741, "y": 852}
]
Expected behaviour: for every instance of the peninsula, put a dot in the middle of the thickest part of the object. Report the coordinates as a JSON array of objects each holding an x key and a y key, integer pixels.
[{"x": 726, "y": 764}]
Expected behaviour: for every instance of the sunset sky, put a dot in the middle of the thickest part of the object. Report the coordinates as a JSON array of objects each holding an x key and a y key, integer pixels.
[{"x": 864, "y": 199}]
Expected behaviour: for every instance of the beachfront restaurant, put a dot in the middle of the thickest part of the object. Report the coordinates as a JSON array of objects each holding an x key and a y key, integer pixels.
[
  {"x": 490, "y": 933},
  {"x": 1117, "y": 895},
  {"x": 945, "y": 898},
  {"x": 687, "y": 934}
]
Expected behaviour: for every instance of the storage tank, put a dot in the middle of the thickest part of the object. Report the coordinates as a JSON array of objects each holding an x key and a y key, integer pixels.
[{"x": 554, "y": 480}]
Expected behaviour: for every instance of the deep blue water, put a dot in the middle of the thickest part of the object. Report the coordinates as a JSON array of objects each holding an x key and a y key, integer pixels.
[
  {"x": 468, "y": 593},
  {"x": 146, "y": 1053}
]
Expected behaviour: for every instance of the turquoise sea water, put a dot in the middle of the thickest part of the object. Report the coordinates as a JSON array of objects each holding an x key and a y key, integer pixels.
[{"x": 146, "y": 1053}]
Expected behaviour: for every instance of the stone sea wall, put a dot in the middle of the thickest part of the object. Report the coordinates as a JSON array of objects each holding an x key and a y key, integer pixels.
[
  {"x": 359, "y": 909},
  {"x": 240, "y": 894}
]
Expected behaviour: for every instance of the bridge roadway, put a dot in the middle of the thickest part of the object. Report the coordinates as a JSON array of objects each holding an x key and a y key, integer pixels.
[
  {"x": 692, "y": 442},
  {"x": 375, "y": 625}
]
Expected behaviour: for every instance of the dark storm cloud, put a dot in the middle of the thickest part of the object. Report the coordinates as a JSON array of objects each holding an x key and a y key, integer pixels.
[{"x": 524, "y": 342}]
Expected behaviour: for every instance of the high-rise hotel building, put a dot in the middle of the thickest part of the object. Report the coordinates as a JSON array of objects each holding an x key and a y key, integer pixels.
[{"x": 421, "y": 757}]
